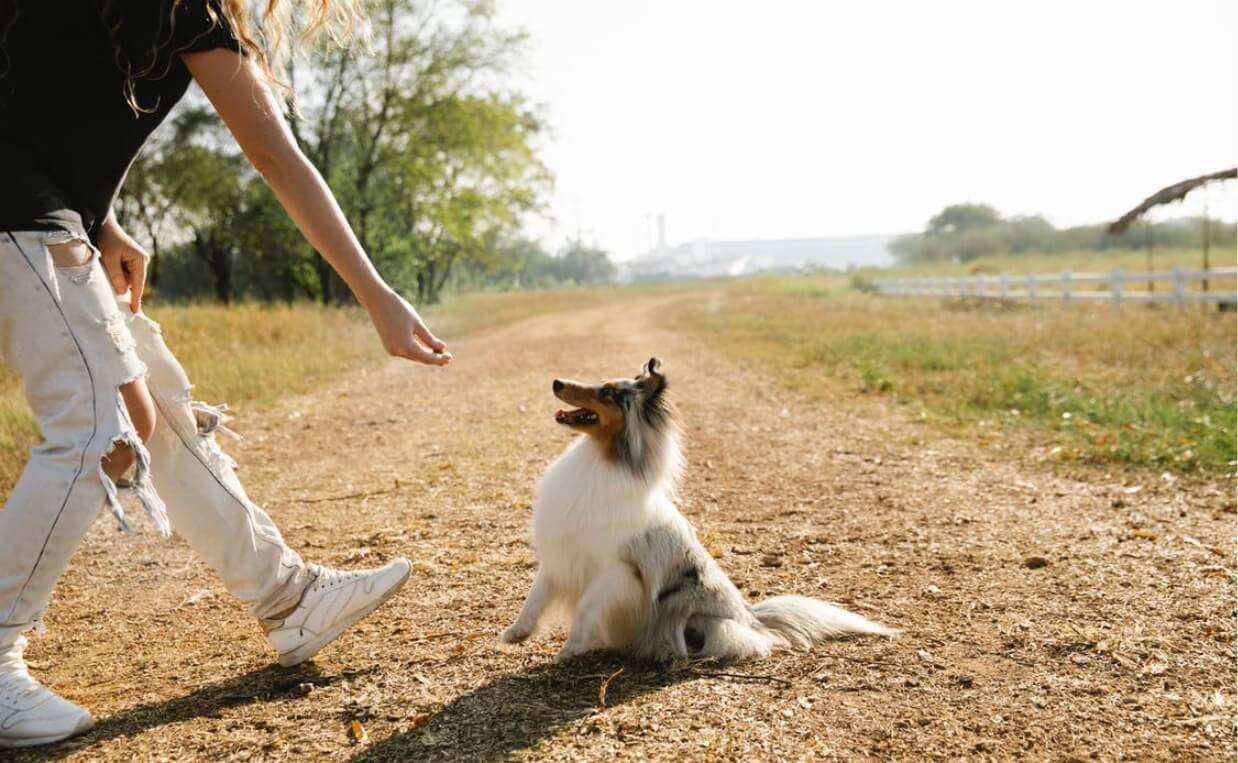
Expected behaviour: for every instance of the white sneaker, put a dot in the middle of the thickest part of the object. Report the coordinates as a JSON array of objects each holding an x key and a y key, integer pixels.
[
  {"x": 333, "y": 603},
  {"x": 30, "y": 713}
]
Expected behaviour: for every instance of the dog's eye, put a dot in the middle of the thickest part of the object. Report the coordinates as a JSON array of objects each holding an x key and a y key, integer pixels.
[{"x": 612, "y": 394}]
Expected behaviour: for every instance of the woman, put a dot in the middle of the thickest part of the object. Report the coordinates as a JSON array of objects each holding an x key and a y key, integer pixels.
[{"x": 82, "y": 85}]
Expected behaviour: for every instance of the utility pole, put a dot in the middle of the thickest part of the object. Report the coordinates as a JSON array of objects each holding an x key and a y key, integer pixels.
[
  {"x": 1207, "y": 242},
  {"x": 1147, "y": 242},
  {"x": 577, "y": 223}
]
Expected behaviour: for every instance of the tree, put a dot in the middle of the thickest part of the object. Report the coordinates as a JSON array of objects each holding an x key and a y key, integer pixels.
[
  {"x": 431, "y": 150},
  {"x": 964, "y": 232},
  {"x": 957, "y": 218}
]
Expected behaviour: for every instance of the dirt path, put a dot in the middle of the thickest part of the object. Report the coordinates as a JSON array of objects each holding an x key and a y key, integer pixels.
[{"x": 1121, "y": 647}]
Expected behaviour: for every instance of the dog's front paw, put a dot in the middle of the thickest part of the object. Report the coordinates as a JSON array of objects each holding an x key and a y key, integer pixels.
[
  {"x": 569, "y": 651},
  {"x": 516, "y": 633}
]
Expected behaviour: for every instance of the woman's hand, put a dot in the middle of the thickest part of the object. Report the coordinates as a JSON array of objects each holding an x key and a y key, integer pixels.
[
  {"x": 124, "y": 261},
  {"x": 402, "y": 331}
]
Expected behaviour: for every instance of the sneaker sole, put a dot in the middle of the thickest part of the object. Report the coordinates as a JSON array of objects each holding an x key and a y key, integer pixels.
[
  {"x": 6, "y": 743},
  {"x": 313, "y": 647}
]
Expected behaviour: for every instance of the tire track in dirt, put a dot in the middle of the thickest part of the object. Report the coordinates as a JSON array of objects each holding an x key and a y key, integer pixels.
[{"x": 1118, "y": 647}]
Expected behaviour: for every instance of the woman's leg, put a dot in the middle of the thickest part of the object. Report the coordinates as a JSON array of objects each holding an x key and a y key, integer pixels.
[
  {"x": 205, "y": 501},
  {"x": 63, "y": 332},
  {"x": 61, "y": 329},
  {"x": 141, "y": 410},
  {"x": 303, "y": 608}
]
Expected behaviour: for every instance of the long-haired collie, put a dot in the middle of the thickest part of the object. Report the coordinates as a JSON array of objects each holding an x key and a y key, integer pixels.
[{"x": 619, "y": 559}]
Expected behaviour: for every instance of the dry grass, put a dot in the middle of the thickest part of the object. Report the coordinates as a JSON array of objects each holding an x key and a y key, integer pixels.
[
  {"x": 251, "y": 355},
  {"x": 1147, "y": 387},
  {"x": 248, "y": 355},
  {"x": 1120, "y": 646}
]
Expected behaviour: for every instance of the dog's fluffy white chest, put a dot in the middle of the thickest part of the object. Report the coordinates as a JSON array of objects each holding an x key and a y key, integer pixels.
[{"x": 587, "y": 509}]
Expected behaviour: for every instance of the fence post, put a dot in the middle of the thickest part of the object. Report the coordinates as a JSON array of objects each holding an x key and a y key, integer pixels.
[
  {"x": 1031, "y": 287},
  {"x": 1005, "y": 286},
  {"x": 1115, "y": 286},
  {"x": 1179, "y": 286},
  {"x": 1066, "y": 286}
]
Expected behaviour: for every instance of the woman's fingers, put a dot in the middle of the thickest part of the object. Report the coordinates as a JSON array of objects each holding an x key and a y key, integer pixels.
[
  {"x": 416, "y": 352},
  {"x": 424, "y": 334},
  {"x": 404, "y": 334},
  {"x": 136, "y": 271},
  {"x": 126, "y": 271},
  {"x": 115, "y": 269}
]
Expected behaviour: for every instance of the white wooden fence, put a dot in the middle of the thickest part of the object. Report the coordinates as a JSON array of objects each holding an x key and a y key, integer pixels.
[{"x": 1185, "y": 286}]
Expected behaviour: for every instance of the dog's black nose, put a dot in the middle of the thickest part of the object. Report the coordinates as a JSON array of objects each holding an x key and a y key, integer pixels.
[{"x": 558, "y": 385}]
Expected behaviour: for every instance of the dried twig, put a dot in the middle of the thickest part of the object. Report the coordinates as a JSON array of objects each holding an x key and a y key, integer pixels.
[
  {"x": 754, "y": 677},
  {"x": 606, "y": 685},
  {"x": 348, "y": 497},
  {"x": 433, "y": 636}
]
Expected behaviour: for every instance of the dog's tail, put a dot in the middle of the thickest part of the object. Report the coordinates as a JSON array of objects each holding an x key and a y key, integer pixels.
[{"x": 802, "y": 621}]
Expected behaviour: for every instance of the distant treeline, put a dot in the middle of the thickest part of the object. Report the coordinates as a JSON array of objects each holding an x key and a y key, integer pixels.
[
  {"x": 425, "y": 137},
  {"x": 963, "y": 232}
]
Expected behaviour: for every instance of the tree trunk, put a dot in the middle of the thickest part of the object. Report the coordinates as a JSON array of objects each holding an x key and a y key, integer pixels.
[
  {"x": 223, "y": 276},
  {"x": 219, "y": 261},
  {"x": 326, "y": 285},
  {"x": 152, "y": 273}
]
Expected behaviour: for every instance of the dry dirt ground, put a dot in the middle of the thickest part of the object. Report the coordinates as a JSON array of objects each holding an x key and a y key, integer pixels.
[{"x": 1121, "y": 646}]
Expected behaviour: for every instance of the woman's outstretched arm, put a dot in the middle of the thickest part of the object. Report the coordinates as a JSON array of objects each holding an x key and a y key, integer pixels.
[{"x": 241, "y": 96}]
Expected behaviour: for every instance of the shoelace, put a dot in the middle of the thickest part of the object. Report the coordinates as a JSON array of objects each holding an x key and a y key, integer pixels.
[{"x": 329, "y": 578}]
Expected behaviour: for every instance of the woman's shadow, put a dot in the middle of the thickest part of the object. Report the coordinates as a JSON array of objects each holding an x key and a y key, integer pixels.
[{"x": 261, "y": 685}]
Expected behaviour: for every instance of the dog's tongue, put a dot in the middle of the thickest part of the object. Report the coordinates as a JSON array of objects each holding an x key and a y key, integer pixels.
[{"x": 567, "y": 417}]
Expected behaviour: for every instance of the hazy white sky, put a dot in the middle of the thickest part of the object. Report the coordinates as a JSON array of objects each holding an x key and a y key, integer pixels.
[{"x": 782, "y": 118}]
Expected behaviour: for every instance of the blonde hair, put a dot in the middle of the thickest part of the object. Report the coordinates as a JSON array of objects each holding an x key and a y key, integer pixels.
[
  {"x": 276, "y": 32},
  {"x": 270, "y": 32}
]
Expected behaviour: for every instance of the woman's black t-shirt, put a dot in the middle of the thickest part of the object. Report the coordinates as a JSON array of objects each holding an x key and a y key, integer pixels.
[{"x": 71, "y": 74}]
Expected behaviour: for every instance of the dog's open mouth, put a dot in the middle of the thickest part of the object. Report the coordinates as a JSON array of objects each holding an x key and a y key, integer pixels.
[{"x": 576, "y": 418}]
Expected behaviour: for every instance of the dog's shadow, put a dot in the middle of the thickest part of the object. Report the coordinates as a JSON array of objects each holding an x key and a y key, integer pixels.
[{"x": 517, "y": 711}]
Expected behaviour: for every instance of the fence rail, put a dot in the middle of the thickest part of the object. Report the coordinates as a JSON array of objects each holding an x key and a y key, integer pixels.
[{"x": 1187, "y": 286}]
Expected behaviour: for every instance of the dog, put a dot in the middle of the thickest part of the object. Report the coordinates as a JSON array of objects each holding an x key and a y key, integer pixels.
[{"x": 619, "y": 559}]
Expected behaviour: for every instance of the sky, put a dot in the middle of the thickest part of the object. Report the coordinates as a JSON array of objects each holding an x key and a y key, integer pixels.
[{"x": 799, "y": 118}]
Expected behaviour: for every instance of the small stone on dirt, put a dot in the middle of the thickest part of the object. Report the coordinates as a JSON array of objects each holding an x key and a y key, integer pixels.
[
  {"x": 1035, "y": 562},
  {"x": 964, "y": 680}
]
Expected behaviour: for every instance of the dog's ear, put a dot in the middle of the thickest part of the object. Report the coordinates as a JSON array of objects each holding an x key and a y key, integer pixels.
[{"x": 652, "y": 377}]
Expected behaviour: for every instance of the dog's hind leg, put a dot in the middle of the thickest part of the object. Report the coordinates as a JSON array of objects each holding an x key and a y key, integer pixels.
[
  {"x": 534, "y": 605},
  {"x": 608, "y": 613}
]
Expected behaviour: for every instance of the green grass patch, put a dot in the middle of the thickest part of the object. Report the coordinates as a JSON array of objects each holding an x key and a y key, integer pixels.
[{"x": 1147, "y": 387}]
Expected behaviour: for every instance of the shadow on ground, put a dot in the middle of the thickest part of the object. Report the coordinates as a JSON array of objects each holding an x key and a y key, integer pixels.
[
  {"x": 264, "y": 684},
  {"x": 518, "y": 710}
]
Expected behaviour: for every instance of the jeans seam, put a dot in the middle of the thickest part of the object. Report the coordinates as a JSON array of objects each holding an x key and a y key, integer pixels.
[
  {"x": 94, "y": 431},
  {"x": 249, "y": 518}
]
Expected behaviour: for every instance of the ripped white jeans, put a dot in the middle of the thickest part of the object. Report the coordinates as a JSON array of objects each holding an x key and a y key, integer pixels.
[{"x": 74, "y": 346}]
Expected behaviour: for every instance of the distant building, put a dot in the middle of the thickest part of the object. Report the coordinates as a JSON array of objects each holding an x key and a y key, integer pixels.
[{"x": 709, "y": 259}]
